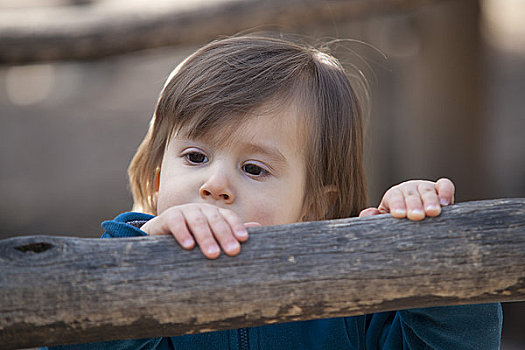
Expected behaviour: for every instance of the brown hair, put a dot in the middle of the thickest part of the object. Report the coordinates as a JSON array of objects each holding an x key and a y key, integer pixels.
[{"x": 227, "y": 79}]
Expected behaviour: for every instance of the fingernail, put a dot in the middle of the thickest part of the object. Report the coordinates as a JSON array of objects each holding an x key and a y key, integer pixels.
[
  {"x": 213, "y": 249},
  {"x": 252, "y": 224},
  {"x": 398, "y": 212},
  {"x": 231, "y": 246},
  {"x": 241, "y": 232},
  {"x": 432, "y": 207},
  {"x": 187, "y": 243},
  {"x": 417, "y": 212},
  {"x": 444, "y": 202}
]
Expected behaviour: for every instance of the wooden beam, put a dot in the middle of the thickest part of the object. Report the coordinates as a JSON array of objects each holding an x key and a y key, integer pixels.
[
  {"x": 102, "y": 29},
  {"x": 56, "y": 290}
]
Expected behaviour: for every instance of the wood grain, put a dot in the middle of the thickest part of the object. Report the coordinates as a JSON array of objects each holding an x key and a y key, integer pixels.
[{"x": 56, "y": 290}]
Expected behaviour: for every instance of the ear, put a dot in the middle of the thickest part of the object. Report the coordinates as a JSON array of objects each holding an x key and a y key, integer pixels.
[
  {"x": 156, "y": 180},
  {"x": 319, "y": 209},
  {"x": 329, "y": 195}
]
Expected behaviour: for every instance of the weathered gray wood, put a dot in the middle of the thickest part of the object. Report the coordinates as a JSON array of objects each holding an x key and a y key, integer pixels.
[
  {"x": 102, "y": 29},
  {"x": 61, "y": 290}
]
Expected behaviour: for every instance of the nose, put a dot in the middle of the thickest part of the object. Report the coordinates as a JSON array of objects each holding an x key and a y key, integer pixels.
[{"x": 217, "y": 188}]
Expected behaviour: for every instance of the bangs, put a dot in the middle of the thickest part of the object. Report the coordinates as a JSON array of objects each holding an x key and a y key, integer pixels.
[
  {"x": 221, "y": 132},
  {"x": 201, "y": 114}
]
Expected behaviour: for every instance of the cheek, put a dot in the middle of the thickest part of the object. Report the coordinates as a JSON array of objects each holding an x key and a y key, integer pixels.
[
  {"x": 281, "y": 203},
  {"x": 255, "y": 208},
  {"x": 164, "y": 201},
  {"x": 170, "y": 194},
  {"x": 274, "y": 210}
]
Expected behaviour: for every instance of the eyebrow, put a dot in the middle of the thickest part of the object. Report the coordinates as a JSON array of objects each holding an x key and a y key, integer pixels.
[{"x": 269, "y": 151}]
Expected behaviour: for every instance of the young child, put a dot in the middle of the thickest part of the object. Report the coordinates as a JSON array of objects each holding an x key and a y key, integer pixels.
[{"x": 255, "y": 130}]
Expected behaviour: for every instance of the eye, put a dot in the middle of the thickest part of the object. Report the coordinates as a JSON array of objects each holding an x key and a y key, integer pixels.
[
  {"x": 196, "y": 157},
  {"x": 254, "y": 170}
]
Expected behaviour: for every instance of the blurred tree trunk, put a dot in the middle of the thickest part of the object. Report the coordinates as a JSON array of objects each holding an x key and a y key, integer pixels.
[{"x": 436, "y": 126}]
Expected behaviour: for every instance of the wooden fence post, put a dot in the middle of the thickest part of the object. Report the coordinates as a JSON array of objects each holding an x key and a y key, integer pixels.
[{"x": 56, "y": 290}]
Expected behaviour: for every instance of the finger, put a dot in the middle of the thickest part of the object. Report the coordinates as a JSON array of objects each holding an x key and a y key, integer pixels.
[
  {"x": 154, "y": 227},
  {"x": 369, "y": 212},
  {"x": 239, "y": 230},
  {"x": 394, "y": 202},
  {"x": 413, "y": 203},
  {"x": 251, "y": 224},
  {"x": 170, "y": 222},
  {"x": 222, "y": 231},
  {"x": 179, "y": 230},
  {"x": 445, "y": 189},
  {"x": 198, "y": 224},
  {"x": 429, "y": 198}
]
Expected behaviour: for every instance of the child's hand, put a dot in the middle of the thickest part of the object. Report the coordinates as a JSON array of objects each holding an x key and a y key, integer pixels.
[
  {"x": 414, "y": 199},
  {"x": 206, "y": 224}
]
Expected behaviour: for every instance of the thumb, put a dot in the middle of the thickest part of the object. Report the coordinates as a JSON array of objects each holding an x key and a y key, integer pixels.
[{"x": 369, "y": 212}]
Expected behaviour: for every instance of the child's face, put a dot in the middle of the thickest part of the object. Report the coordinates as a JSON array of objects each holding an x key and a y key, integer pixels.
[{"x": 259, "y": 173}]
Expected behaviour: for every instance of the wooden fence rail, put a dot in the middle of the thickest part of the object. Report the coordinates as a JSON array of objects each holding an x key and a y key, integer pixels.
[{"x": 56, "y": 290}]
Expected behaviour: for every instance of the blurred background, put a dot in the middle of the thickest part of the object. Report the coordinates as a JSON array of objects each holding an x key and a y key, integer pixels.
[{"x": 447, "y": 81}]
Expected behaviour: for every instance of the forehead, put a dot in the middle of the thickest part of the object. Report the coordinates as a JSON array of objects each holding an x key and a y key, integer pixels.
[{"x": 270, "y": 127}]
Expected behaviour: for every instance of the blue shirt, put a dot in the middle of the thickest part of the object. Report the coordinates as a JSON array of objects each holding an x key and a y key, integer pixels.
[{"x": 475, "y": 327}]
